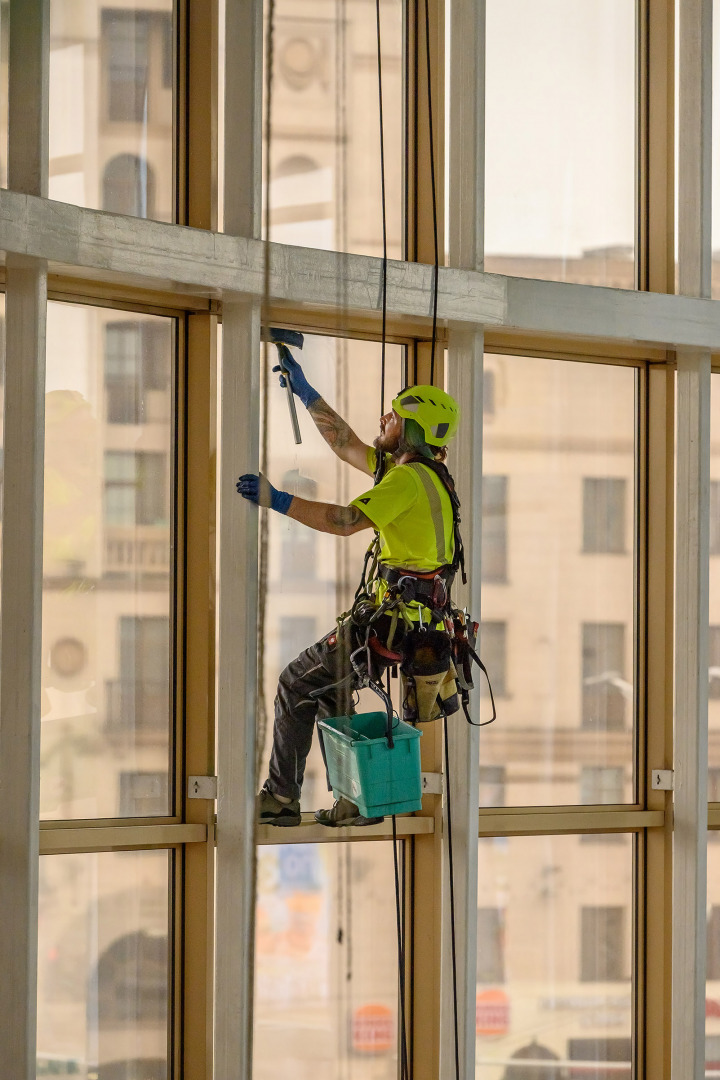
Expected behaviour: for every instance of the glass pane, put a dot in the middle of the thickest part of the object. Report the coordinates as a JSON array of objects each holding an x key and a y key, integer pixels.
[
  {"x": 716, "y": 151},
  {"x": 714, "y": 633},
  {"x": 325, "y": 1003},
  {"x": 109, "y": 468},
  {"x": 560, "y": 123},
  {"x": 555, "y": 947},
  {"x": 104, "y": 966},
  {"x": 325, "y": 188},
  {"x": 314, "y": 575},
  {"x": 559, "y": 582},
  {"x": 111, "y": 106}
]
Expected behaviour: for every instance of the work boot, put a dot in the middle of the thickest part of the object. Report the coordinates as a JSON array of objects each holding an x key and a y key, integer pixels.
[
  {"x": 344, "y": 812},
  {"x": 270, "y": 811}
]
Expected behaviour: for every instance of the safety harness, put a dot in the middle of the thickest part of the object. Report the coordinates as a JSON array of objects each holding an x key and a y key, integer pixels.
[{"x": 390, "y": 636}]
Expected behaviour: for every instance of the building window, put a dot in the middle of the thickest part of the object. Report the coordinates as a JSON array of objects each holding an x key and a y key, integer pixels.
[
  {"x": 143, "y": 794},
  {"x": 492, "y": 785},
  {"x": 715, "y": 517},
  {"x": 135, "y": 488},
  {"x": 136, "y": 362},
  {"x": 494, "y": 528},
  {"x": 140, "y": 698},
  {"x": 604, "y": 690},
  {"x": 126, "y": 48},
  {"x": 493, "y": 653},
  {"x": 603, "y": 514},
  {"x": 602, "y": 944},
  {"x": 129, "y": 186},
  {"x": 490, "y": 945}
]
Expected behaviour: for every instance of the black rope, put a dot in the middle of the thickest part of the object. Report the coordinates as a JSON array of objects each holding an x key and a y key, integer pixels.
[
  {"x": 432, "y": 184},
  {"x": 452, "y": 900},
  {"x": 384, "y": 210},
  {"x": 401, "y": 958}
]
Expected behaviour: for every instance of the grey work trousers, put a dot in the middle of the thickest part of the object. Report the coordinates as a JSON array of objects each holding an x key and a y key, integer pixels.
[{"x": 325, "y": 663}]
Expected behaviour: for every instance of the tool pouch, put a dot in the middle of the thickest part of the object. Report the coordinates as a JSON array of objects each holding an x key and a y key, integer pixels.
[{"x": 429, "y": 676}]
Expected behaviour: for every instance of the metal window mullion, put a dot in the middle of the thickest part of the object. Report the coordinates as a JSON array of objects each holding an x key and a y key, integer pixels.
[
  {"x": 466, "y": 74},
  {"x": 238, "y": 563},
  {"x": 21, "y": 599},
  {"x": 692, "y": 555}
]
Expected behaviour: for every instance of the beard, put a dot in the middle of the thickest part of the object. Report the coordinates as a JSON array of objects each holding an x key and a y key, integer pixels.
[{"x": 386, "y": 444}]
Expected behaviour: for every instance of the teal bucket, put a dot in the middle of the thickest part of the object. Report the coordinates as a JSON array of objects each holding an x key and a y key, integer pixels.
[{"x": 364, "y": 769}]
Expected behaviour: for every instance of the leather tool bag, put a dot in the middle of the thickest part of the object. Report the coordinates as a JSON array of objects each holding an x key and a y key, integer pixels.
[{"x": 429, "y": 676}]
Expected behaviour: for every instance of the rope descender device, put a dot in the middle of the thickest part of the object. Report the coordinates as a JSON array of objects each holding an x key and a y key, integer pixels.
[{"x": 281, "y": 339}]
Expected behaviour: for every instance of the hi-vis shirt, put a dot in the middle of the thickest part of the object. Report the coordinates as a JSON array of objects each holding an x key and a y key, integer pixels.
[{"x": 412, "y": 512}]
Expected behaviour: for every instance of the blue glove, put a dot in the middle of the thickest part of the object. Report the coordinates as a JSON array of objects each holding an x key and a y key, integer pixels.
[
  {"x": 298, "y": 383},
  {"x": 249, "y": 486}
]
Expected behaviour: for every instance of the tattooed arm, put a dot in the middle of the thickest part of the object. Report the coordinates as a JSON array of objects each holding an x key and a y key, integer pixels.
[
  {"x": 326, "y": 517},
  {"x": 339, "y": 436}
]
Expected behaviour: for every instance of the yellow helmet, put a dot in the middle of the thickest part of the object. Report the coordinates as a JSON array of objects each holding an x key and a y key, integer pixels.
[{"x": 435, "y": 411}]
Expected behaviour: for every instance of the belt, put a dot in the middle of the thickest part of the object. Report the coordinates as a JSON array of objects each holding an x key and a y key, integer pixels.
[{"x": 431, "y": 588}]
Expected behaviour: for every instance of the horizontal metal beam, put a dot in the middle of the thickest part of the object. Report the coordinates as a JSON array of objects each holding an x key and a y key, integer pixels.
[
  {"x": 177, "y": 260},
  {"x": 309, "y": 832},
  {"x": 54, "y": 841},
  {"x": 546, "y": 823}
]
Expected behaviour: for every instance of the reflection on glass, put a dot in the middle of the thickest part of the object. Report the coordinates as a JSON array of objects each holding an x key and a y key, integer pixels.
[
  {"x": 103, "y": 966},
  {"x": 325, "y": 1002},
  {"x": 558, "y": 581},
  {"x": 325, "y": 160},
  {"x": 111, "y": 107},
  {"x": 313, "y": 575},
  {"x": 560, "y": 123},
  {"x": 106, "y": 673},
  {"x": 554, "y": 948}
]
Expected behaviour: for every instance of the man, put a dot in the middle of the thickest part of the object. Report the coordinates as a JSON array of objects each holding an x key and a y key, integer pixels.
[{"x": 411, "y": 509}]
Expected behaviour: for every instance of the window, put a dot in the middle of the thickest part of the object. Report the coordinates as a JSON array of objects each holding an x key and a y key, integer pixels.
[
  {"x": 490, "y": 942},
  {"x": 493, "y": 648},
  {"x": 126, "y": 43},
  {"x": 605, "y": 691},
  {"x": 136, "y": 363},
  {"x": 602, "y": 944},
  {"x": 135, "y": 488},
  {"x": 140, "y": 698},
  {"x": 129, "y": 186},
  {"x": 494, "y": 529},
  {"x": 603, "y": 514}
]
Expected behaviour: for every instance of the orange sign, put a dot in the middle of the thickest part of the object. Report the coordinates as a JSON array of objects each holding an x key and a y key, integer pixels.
[
  {"x": 492, "y": 1012},
  {"x": 373, "y": 1029}
]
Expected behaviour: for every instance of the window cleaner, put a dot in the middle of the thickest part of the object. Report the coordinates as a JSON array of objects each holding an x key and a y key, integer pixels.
[{"x": 402, "y": 614}]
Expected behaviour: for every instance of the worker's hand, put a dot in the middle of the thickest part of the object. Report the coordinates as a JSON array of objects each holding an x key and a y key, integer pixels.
[
  {"x": 258, "y": 490},
  {"x": 298, "y": 383}
]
